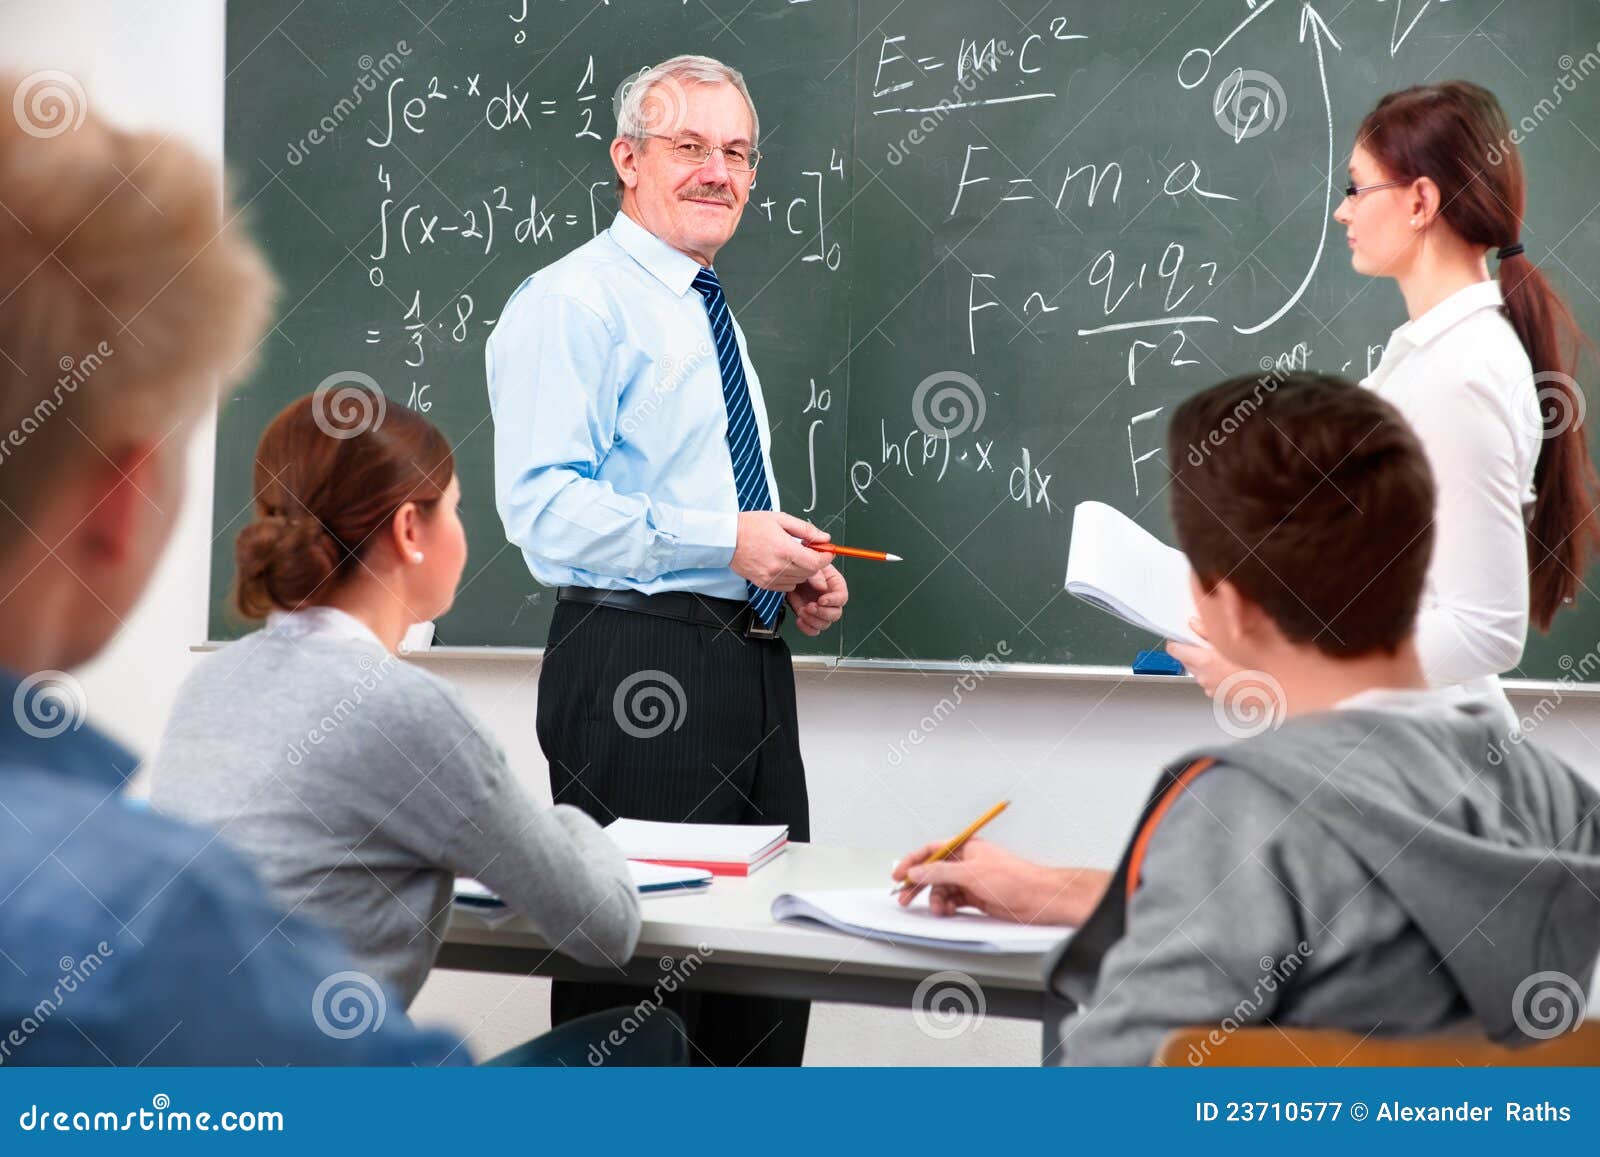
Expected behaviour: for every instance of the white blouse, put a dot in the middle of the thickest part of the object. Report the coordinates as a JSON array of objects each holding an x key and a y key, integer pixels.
[{"x": 1460, "y": 376}]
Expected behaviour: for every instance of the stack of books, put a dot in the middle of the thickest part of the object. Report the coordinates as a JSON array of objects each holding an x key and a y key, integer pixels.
[{"x": 722, "y": 849}]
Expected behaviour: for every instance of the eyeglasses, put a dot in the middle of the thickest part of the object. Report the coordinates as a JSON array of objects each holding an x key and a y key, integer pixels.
[
  {"x": 737, "y": 158},
  {"x": 1354, "y": 190}
]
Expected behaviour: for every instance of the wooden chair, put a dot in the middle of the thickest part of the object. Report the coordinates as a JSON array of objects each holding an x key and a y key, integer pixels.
[{"x": 1330, "y": 1047}]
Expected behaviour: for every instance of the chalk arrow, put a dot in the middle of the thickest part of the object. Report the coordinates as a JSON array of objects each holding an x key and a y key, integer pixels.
[{"x": 1312, "y": 21}]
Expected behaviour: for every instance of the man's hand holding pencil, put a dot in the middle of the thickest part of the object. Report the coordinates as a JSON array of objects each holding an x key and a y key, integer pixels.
[{"x": 985, "y": 876}]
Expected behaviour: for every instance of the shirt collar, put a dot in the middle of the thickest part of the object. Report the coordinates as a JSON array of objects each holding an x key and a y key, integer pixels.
[
  {"x": 320, "y": 623},
  {"x": 1451, "y": 311},
  {"x": 1424, "y": 700},
  {"x": 42, "y": 725},
  {"x": 673, "y": 269}
]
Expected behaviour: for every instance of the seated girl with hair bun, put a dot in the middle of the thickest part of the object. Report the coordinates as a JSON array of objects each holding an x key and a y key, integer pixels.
[{"x": 360, "y": 785}]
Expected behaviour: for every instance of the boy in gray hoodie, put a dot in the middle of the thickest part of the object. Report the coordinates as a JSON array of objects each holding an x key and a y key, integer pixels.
[{"x": 1371, "y": 854}]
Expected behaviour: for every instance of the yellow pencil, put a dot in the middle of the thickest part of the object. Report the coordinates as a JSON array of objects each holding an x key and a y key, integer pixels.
[{"x": 954, "y": 845}]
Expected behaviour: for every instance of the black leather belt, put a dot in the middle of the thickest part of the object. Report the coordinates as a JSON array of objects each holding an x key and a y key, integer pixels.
[{"x": 730, "y": 614}]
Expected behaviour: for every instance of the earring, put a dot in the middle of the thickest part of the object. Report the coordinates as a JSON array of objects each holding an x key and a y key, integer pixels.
[
  {"x": 416, "y": 556},
  {"x": 1413, "y": 222}
]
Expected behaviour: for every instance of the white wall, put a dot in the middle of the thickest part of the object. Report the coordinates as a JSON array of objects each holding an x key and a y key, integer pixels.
[{"x": 1076, "y": 758}]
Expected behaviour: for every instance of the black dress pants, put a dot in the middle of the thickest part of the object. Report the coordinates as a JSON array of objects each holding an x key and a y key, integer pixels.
[{"x": 653, "y": 718}]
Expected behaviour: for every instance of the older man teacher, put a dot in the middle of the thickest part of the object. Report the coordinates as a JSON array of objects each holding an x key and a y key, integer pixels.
[{"x": 632, "y": 467}]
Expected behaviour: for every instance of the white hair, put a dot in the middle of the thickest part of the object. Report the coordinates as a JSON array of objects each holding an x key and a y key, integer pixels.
[{"x": 653, "y": 100}]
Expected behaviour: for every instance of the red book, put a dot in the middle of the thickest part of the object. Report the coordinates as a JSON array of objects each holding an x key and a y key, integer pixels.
[{"x": 727, "y": 867}]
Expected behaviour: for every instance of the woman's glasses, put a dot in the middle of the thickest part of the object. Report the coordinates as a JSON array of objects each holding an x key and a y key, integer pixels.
[{"x": 1353, "y": 190}]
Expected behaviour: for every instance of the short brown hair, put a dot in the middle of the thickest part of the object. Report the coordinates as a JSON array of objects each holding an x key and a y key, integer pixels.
[
  {"x": 331, "y": 470},
  {"x": 129, "y": 289},
  {"x": 1313, "y": 497}
]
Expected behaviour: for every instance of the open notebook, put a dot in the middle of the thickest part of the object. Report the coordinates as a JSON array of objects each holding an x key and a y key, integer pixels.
[
  {"x": 874, "y": 913},
  {"x": 1119, "y": 566}
]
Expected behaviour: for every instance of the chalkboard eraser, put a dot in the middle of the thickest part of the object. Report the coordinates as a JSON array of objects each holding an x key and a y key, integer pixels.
[{"x": 1156, "y": 663}]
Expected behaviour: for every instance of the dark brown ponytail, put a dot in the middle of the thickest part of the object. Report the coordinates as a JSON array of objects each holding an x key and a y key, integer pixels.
[
  {"x": 1457, "y": 134},
  {"x": 331, "y": 470}
]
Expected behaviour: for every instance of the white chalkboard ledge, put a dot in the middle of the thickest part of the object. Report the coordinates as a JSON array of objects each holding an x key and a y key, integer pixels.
[{"x": 826, "y": 663}]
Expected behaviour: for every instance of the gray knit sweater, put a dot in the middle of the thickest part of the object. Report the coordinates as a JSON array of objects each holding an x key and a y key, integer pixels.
[{"x": 360, "y": 786}]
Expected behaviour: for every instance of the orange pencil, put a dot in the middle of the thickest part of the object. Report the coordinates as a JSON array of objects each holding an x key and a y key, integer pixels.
[
  {"x": 852, "y": 552},
  {"x": 954, "y": 845}
]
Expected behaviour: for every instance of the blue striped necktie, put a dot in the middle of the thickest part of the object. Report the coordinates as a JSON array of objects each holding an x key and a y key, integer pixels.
[{"x": 744, "y": 440}]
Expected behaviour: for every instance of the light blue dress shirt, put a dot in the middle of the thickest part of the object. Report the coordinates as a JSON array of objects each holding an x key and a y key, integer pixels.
[{"x": 611, "y": 457}]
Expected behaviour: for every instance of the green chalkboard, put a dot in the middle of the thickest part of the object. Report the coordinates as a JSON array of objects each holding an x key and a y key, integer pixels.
[{"x": 986, "y": 253}]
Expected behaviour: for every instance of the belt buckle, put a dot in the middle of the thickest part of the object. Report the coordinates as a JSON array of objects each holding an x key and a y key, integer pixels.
[{"x": 756, "y": 631}]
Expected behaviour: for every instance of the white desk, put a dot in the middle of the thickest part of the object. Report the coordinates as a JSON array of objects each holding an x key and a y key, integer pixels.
[{"x": 735, "y": 945}]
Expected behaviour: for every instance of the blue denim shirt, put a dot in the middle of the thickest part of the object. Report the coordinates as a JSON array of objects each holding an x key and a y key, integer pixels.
[{"x": 127, "y": 938}]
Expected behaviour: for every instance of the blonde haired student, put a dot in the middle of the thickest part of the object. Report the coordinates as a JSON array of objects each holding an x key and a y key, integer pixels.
[{"x": 128, "y": 291}]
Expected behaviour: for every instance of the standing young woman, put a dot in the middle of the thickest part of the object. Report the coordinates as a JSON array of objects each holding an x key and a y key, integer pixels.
[{"x": 1482, "y": 370}]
